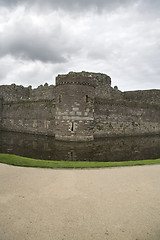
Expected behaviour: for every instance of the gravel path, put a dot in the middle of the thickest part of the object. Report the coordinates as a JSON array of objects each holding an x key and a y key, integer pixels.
[{"x": 98, "y": 204}]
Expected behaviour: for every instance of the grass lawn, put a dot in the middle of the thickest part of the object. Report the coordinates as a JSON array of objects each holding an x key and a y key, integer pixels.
[{"x": 29, "y": 162}]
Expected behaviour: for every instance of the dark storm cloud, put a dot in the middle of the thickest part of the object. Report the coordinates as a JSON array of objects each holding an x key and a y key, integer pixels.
[
  {"x": 81, "y": 4},
  {"x": 24, "y": 40},
  {"x": 66, "y": 2},
  {"x": 69, "y": 4},
  {"x": 30, "y": 49}
]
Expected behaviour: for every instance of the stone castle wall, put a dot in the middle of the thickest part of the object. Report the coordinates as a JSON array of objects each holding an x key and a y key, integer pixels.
[
  {"x": 1, "y": 111},
  {"x": 29, "y": 116},
  {"x": 124, "y": 118},
  {"x": 14, "y": 92},
  {"x": 147, "y": 96},
  {"x": 43, "y": 92},
  {"x": 82, "y": 106},
  {"x": 104, "y": 89}
]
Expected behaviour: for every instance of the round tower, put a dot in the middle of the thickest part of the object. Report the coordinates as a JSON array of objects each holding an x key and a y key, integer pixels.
[{"x": 74, "y": 120}]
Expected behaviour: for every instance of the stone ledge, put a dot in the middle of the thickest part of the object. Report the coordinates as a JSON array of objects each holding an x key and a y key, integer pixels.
[{"x": 74, "y": 138}]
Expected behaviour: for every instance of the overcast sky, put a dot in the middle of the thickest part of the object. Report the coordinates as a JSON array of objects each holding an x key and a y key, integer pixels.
[{"x": 42, "y": 38}]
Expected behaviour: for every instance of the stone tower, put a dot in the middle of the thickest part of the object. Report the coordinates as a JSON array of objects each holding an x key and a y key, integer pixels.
[{"x": 74, "y": 119}]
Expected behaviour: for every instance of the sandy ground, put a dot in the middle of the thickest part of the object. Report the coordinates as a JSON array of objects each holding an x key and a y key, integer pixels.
[{"x": 112, "y": 203}]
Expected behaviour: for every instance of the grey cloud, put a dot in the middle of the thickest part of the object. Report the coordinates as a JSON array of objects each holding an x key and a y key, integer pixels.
[
  {"x": 25, "y": 72},
  {"x": 98, "y": 54},
  {"x": 146, "y": 8},
  {"x": 88, "y": 41},
  {"x": 71, "y": 4},
  {"x": 31, "y": 50},
  {"x": 25, "y": 41},
  {"x": 3, "y": 74}
]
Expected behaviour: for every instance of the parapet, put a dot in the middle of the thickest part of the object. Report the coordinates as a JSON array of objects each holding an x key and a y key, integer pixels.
[
  {"x": 43, "y": 92},
  {"x": 148, "y": 96},
  {"x": 14, "y": 92},
  {"x": 77, "y": 78}
]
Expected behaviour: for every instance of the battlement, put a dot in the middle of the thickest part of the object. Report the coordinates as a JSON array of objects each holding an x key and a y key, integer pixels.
[
  {"x": 14, "y": 92},
  {"x": 83, "y": 78},
  {"x": 43, "y": 92},
  {"x": 147, "y": 96}
]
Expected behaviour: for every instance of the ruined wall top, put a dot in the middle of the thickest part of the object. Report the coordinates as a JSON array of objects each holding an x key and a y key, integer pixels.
[
  {"x": 43, "y": 92},
  {"x": 13, "y": 92},
  {"x": 101, "y": 83},
  {"x": 84, "y": 78},
  {"x": 148, "y": 96}
]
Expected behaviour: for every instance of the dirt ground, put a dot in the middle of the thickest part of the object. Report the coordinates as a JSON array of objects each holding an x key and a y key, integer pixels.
[{"x": 98, "y": 204}]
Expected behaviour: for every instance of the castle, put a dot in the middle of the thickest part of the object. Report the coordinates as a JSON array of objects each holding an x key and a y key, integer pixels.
[{"x": 80, "y": 107}]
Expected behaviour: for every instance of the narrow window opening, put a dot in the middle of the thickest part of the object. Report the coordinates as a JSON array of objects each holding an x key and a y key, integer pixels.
[
  {"x": 73, "y": 127},
  {"x": 60, "y": 98},
  {"x": 72, "y": 156},
  {"x": 87, "y": 98}
]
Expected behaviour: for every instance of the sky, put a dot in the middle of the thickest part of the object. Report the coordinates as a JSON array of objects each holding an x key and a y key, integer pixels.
[{"x": 41, "y": 39}]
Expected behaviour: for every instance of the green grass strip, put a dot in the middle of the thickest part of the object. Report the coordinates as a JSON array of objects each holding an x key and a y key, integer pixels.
[{"x": 29, "y": 162}]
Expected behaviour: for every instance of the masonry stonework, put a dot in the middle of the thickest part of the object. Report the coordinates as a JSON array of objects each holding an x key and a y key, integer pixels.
[
  {"x": 74, "y": 107},
  {"x": 82, "y": 106}
]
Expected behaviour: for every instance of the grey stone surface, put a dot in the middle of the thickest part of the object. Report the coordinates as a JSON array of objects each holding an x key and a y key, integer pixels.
[{"x": 80, "y": 107}]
